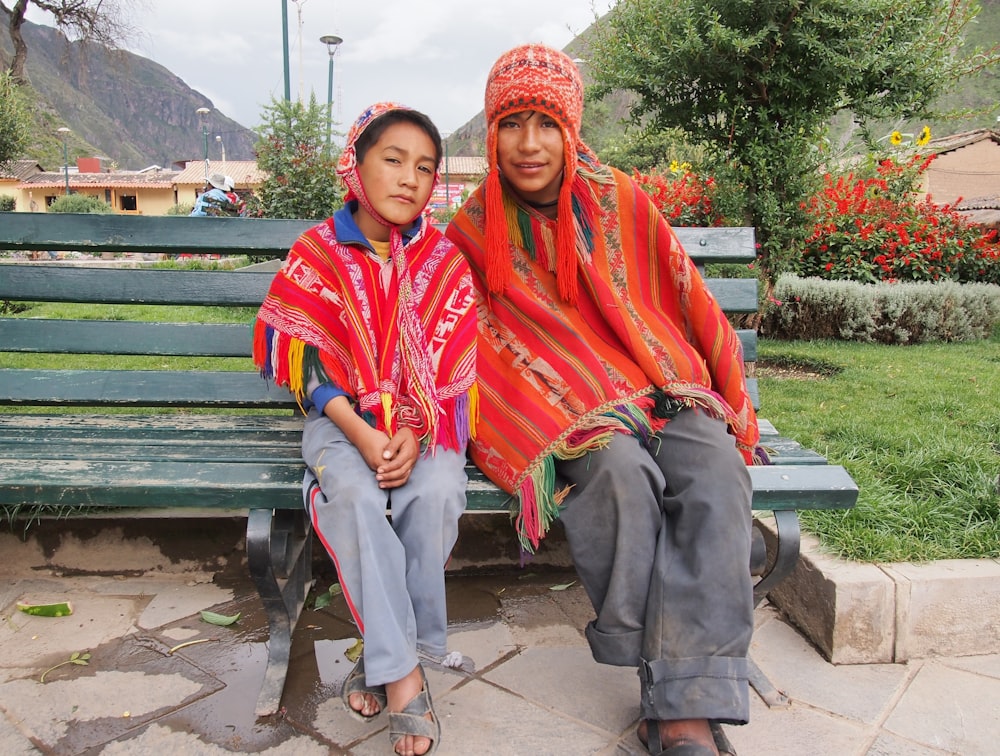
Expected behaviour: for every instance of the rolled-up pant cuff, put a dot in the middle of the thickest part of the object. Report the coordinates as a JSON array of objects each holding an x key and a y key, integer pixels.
[
  {"x": 713, "y": 687},
  {"x": 619, "y": 649}
]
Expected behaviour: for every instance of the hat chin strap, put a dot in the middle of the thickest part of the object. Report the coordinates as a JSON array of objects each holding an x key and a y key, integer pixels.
[{"x": 356, "y": 190}]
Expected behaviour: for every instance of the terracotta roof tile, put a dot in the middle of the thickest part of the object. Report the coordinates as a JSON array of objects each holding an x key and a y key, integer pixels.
[
  {"x": 244, "y": 173},
  {"x": 52, "y": 179},
  {"x": 463, "y": 165},
  {"x": 20, "y": 170},
  {"x": 962, "y": 139}
]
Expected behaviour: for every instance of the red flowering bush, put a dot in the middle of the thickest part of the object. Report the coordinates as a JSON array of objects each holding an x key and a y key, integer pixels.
[
  {"x": 873, "y": 228},
  {"x": 684, "y": 198}
]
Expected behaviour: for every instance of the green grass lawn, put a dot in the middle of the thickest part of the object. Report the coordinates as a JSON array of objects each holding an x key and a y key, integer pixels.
[{"x": 918, "y": 427}]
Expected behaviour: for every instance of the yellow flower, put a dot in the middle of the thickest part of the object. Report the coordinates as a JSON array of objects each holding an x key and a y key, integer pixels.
[
  {"x": 896, "y": 138},
  {"x": 675, "y": 167},
  {"x": 925, "y": 136},
  {"x": 685, "y": 167}
]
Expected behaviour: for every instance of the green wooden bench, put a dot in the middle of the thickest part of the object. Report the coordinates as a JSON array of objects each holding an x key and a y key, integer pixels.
[{"x": 87, "y": 433}]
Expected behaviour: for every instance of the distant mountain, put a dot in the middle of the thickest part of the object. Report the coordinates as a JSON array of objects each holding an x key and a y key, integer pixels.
[{"x": 128, "y": 108}]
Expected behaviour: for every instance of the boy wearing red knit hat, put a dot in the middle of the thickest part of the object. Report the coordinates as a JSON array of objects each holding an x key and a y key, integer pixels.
[
  {"x": 612, "y": 396},
  {"x": 370, "y": 323}
]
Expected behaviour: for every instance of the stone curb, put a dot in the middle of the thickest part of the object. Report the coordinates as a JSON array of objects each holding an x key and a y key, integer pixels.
[{"x": 859, "y": 613}]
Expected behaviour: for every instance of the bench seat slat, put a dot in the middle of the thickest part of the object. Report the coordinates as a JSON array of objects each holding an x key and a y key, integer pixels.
[
  {"x": 99, "y": 443},
  {"x": 775, "y": 487},
  {"x": 250, "y": 485},
  {"x": 206, "y": 427},
  {"x": 100, "y": 449},
  {"x": 264, "y": 485}
]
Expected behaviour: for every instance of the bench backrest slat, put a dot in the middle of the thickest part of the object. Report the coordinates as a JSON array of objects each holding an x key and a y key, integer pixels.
[
  {"x": 52, "y": 282},
  {"x": 254, "y": 236},
  {"x": 141, "y": 388},
  {"x": 124, "y": 337},
  {"x": 148, "y": 233}
]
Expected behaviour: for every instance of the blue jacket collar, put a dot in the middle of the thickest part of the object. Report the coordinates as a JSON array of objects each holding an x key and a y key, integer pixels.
[{"x": 347, "y": 230}]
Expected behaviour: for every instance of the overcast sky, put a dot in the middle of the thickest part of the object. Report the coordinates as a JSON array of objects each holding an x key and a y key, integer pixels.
[{"x": 430, "y": 54}]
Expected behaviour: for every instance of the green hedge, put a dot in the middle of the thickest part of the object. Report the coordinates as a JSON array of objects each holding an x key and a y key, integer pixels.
[{"x": 884, "y": 313}]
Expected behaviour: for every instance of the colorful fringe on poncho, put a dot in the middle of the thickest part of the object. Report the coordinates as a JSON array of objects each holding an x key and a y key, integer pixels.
[
  {"x": 405, "y": 353},
  {"x": 644, "y": 338}
]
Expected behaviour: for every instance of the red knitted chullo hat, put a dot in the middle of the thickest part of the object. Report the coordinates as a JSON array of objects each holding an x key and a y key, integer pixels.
[{"x": 534, "y": 77}]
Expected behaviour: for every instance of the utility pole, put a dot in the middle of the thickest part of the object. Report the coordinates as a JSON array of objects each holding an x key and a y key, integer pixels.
[{"x": 64, "y": 132}]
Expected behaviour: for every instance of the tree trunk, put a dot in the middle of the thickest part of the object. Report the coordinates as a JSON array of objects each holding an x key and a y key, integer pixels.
[{"x": 14, "y": 24}]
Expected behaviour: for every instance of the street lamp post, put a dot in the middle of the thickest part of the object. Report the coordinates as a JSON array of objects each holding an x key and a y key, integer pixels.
[
  {"x": 64, "y": 132},
  {"x": 332, "y": 42},
  {"x": 284, "y": 48},
  {"x": 203, "y": 119},
  {"x": 222, "y": 146}
]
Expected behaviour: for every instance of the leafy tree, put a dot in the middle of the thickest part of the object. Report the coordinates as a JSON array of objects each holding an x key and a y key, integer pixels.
[
  {"x": 80, "y": 203},
  {"x": 757, "y": 81},
  {"x": 14, "y": 120},
  {"x": 104, "y": 22},
  {"x": 301, "y": 176}
]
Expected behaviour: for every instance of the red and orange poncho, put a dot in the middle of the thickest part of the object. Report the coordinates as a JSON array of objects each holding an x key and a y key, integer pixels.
[
  {"x": 404, "y": 352},
  {"x": 556, "y": 378}
]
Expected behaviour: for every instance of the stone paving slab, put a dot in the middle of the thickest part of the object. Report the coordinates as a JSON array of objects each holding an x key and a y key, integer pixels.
[
  {"x": 853, "y": 692},
  {"x": 949, "y": 709}
]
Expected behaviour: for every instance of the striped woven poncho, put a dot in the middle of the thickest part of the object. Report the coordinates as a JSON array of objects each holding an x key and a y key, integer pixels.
[
  {"x": 403, "y": 349},
  {"x": 555, "y": 379}
]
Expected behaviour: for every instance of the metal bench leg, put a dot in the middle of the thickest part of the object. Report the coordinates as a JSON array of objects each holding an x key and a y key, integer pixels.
[
  {"x": 786, "y": 555},
  {"x": 279, "y": 557},
  {"x": 773, "y": 697}
]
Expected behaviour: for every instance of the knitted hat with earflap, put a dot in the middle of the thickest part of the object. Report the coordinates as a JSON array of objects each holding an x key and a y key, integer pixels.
[{"x": 539, "y": 78}]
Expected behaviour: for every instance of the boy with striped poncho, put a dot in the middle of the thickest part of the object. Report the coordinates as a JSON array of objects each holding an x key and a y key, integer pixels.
[
  {"x": 370, "y": 323},
  {"x": 612, "y": 396}
]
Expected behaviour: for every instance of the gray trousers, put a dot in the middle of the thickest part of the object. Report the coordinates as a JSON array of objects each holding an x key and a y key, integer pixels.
[
  {"x": 660, "y": 538},
  {"x": 392, "y": 573}
]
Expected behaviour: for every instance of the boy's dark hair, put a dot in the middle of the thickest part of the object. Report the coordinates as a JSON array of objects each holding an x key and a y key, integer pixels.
[{"x": 375, "y": 129}]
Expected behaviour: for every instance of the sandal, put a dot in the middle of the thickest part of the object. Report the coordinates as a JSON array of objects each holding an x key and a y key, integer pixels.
[
  {"x": 355, "y": 683},
  {"x": 412, "y": 719}
]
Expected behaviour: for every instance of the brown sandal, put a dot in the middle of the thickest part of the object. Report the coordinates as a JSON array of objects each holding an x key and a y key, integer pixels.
[
  {"x": 355, "y": 683},
  {"x": 412, "y": 720}
]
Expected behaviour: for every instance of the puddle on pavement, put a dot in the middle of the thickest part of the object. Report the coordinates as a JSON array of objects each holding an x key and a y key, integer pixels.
[{"x": 236, "y": 657}]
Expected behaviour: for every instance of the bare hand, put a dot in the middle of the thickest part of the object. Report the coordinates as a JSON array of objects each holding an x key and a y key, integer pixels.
[
  {"x": 398, "y": 459},
  {"x": 373, "y": 445}
]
